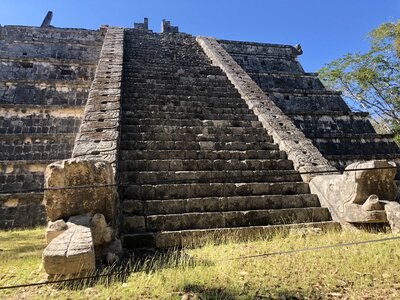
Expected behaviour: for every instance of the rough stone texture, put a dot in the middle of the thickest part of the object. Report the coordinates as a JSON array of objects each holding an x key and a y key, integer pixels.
[
  {"x": 393, "y": 216},
  {"x": 71, "y": 253},
  {"x": 305, "y": 157},
  {"x": 45, "y": 77},
  {"x": 353, "y": 196},
  {"x": 343, "y": 137},
  {"x": 21, "y": 210},
  {"x": 101, "y": 233},
  {"x": 54, "y": 229},
  {"x": 193, "y": 155},
  {"x": 63, "y": 203},
  {"x": 99, "y": 133}
]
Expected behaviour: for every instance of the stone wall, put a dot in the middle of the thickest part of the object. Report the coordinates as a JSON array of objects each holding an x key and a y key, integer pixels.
[{"x": 45, "y": 77}]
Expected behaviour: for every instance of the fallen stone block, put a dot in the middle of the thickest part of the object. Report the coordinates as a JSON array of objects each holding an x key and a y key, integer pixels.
[
  {"x": 101, "y": 233},
  {"x": 393, "y": 216},
  {"x": 71, "y": 253},
  {"x": 354, "y": 196},
  {"x": 71, "y": 196}
]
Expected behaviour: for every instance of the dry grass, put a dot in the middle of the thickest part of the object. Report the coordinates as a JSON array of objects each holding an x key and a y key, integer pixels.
[{"x": 359, "y": 272}]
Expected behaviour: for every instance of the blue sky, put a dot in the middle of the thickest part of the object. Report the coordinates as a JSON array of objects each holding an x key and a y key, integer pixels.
[{"x": 326, "y": 29}]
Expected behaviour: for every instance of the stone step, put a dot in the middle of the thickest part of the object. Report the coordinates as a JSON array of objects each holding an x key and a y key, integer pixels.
[
  {"x": 159, "y": 104},
  {"x": 193, "y": 154},
  {"x": 231, "y": 176},
  {"x": 188, "y": 146},
  {"x": 177, "y": 78},
  {"x": 196, "y": 122},
  {"x": 197, "y": 190},
  {"x": 171, "y": 129},
  {"x": 186, "y": 109},
  {"x": 230, "y": 219},
  {"x": 197, "y": 237},
  {"x": 169, "y": 66},
  {"x": 216, "y": 204},
  {"x": 172, "y": 85},
  {"x": 137, "y": 93},
  {"x": 193, "y": 137},
  {"x": 170, "y": 98},
  {"x": 143, "y": 114},
  {"x": 204, "y": 164}
]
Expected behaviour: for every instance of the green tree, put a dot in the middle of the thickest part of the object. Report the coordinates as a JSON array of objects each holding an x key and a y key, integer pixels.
[{"x": 371, "y": 80}]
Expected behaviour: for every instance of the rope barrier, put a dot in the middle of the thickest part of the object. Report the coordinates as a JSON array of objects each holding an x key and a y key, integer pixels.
[
  {"x": 263, "y": 255},
  {"x": 225, "y": 179}
]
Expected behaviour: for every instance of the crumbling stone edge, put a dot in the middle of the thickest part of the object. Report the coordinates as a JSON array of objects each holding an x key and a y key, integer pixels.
[
  {"x": 98, "y": 135},
  {"x": 305, "y": 156}
]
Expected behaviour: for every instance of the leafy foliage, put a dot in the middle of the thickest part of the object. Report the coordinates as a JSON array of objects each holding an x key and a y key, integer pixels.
[{"x": 372, "y": 79}]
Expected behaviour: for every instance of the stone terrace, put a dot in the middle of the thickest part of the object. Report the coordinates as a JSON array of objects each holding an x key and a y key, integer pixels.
[
  {"x": 45, "y": 76},
  {"x": 341, "y": 135}
]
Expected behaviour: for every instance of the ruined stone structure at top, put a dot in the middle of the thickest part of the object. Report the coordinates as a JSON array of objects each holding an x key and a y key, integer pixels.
[{"x": 204, "y": 135}]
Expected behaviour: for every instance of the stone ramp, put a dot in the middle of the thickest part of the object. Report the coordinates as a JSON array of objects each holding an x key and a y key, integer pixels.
[{"x": 194, "y": 160}]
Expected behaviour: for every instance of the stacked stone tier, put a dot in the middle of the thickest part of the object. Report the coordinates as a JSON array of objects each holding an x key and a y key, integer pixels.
[
  {"x": 341, "y": 136},
  {"x": 193, "y": 158},
  {"x": 45, "y": 77}
]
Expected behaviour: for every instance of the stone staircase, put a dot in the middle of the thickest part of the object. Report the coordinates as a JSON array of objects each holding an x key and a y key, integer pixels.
[{"x": 194, "y": 160}]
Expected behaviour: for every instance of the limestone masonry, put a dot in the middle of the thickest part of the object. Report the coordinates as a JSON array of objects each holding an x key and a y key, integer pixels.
[{"x": 202, "y": 136}]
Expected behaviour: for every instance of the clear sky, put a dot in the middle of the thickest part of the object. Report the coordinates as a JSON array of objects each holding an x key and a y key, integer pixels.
[{"x": 326, "y": 29}]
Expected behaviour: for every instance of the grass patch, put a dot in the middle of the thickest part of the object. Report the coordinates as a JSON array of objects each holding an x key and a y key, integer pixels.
[{"x": 368, "y": 271}]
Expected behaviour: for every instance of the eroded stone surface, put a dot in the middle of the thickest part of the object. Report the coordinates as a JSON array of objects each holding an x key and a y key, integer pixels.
[
  {"x": 101, "y": 233},
  {"x": 393, "y": 216},
  {"x": 354, "y": 196},
  {"x": 69, "y": 201},
  {"x": 72, "y": 252}
]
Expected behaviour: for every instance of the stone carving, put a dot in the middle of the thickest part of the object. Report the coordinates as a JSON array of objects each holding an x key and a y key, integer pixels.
[
  {"x": 47, "y": 20},
  {"x": 77, "y": 243},
  {"x": 69, "y": 201},
  {"x": 298, "y": 49},
  {"x": 98, "y": 135},
  {"x": 70, "y": 254},
  {"x": 360, "y": 193}
]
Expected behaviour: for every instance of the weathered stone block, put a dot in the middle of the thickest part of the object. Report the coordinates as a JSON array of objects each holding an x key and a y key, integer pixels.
[
  {"x": 101, "y": 233},
  {"x": 354, "y": 196},
  {"x": 393, "y": 216},
  {"x": 71, "y": 253},
  {"x": 70, "y": 196}
]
